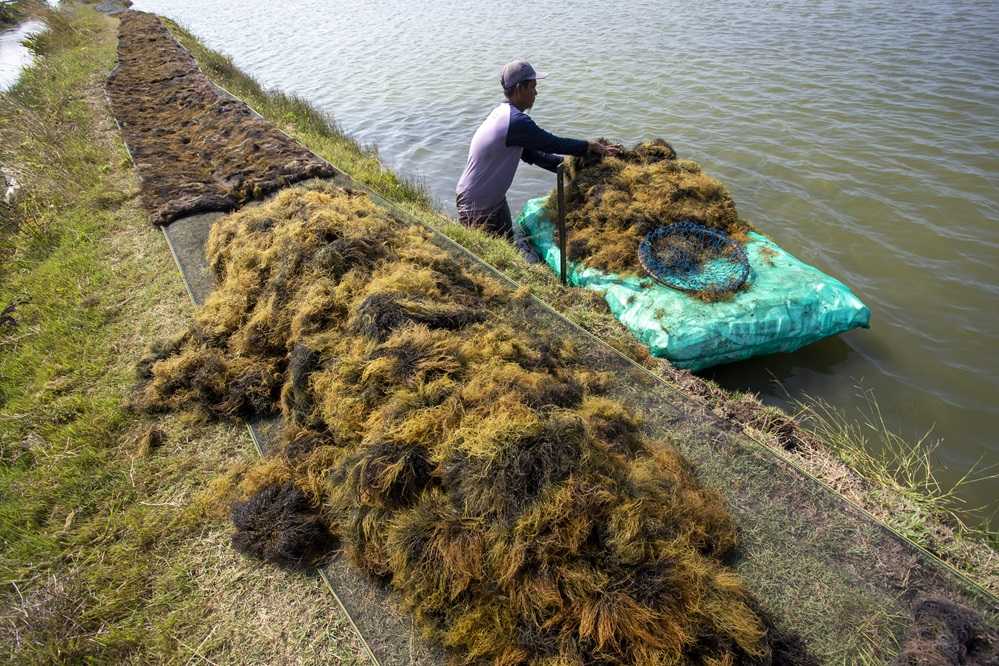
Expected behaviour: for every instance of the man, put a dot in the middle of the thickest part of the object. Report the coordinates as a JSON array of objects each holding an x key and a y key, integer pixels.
[{"x": 507, "y": 136}]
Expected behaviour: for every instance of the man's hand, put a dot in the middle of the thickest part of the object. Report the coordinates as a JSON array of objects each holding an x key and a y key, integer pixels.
[{"x": 604, "y": 149}]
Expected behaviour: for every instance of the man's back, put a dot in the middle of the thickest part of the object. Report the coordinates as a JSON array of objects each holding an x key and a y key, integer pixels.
[{"x": 491, "y": 165}]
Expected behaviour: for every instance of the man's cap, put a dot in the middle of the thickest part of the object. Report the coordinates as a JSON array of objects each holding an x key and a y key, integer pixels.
[{"x": 516, "y": 72}]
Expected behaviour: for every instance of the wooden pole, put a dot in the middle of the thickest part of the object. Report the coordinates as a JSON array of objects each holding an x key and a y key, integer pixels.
[{"x": 562, "y": 244}]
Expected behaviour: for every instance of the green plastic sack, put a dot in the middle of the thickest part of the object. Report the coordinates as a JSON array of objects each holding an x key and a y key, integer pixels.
[{"x": 787, "y": 304}]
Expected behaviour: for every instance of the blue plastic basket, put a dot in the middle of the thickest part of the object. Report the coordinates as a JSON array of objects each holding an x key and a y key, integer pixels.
[{"x": 690, "y": 257}]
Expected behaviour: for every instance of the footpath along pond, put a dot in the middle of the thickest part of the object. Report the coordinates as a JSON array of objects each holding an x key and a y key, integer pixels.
[{"x": 862, "y": 137}]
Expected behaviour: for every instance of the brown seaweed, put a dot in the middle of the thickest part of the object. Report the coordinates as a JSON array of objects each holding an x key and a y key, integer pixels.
[
  {"x": 945, "y": 633},
  {"x": 467, "y": 461},
  {"x": 614, "y": 201},
  {"x": 277, "y": 524},
  {"x": 195, "y": 147}
]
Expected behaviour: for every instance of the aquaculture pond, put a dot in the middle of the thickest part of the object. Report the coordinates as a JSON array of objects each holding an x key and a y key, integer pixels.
[
  {"x": 15, "y": 56},
  {"x": 862, "y": 136}
]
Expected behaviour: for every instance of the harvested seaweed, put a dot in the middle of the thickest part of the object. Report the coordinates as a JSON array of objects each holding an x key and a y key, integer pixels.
[
  {"x": 613, "y": 202},
  {"x": 945, "y": 633},
  {"x": 470, "y": 464},
  {"x": 277, "y": 524},
  {"x": 196, "y": 148}
]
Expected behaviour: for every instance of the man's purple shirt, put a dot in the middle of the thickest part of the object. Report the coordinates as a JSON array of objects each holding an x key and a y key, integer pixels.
[{"x": 507, "y": 136}]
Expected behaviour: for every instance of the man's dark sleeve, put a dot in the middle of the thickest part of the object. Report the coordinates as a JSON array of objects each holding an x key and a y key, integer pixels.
[
  {"x": 525, "y": 133},
  {"x": 543, "y": 160}
]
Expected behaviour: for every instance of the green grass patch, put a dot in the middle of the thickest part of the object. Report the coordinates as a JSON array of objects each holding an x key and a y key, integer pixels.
[
  {"x": 62, "y": 420},
  {"x": 111, "y": 550},
  {"x": 904, "y": 490}
]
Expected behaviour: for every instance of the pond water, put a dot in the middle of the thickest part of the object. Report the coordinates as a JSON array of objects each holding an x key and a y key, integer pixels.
[
  {"x": 14, "y": 56},
  {"x": 861, "y": 136}
]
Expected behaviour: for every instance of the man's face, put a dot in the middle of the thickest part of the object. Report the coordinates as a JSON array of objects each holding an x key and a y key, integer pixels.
[{"x": 524, "y": 96}]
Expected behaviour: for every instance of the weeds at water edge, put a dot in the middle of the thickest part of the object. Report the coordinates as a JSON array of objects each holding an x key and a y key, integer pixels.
[{"x": 902, "y": 468}]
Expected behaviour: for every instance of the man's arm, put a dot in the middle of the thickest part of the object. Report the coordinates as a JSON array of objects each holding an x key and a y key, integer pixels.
[
  {"x": 525, "y": 133},
  {"x": 544, "y": 160}
]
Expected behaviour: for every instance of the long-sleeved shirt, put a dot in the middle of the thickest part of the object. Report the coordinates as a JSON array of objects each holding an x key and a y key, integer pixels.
[{"x": 507, "y": 136}]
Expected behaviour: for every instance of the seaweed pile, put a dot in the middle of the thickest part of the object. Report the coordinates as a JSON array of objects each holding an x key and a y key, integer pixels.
[
  {"x": 945, "y": 633},
  {"x": 613, "y": 202},
  {"x": 195, "y": 148},
  {"x": 470, "y": 463},
  {"x": 279, "y": 524}
]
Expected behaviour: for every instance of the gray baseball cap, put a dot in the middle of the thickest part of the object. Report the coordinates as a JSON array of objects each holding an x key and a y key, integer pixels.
[{"x": 516, "y": 72}]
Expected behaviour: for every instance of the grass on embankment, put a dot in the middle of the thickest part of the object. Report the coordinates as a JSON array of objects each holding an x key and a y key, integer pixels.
[
  {"x": 10, "y": 13},
  {"x": 893, "y": 485},
  {"x": 113, "y": 536}
]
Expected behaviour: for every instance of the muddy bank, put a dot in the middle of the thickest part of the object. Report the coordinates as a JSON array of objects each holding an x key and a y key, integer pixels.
[{"x": 196, "y": 149}]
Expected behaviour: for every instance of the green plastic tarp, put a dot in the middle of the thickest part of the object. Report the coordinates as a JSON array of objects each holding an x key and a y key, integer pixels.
[{"x": 786, "y": 304}]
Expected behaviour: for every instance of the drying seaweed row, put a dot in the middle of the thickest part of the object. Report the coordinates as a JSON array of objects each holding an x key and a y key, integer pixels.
[
  {"x": 472, "y": 465},
  {"x": 195, "y": 148},
  {"x": 613, "y": 202}
]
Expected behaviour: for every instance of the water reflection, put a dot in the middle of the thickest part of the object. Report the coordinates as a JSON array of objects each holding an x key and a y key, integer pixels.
[{"x": 762, "y": 375}]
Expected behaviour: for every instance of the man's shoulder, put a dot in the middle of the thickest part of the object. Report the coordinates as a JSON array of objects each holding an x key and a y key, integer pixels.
[
  {"x": 502, "y": 107},
  {"x": 517, "y": 114},
  {"x": 521, "y": 123},
  {"x": 498, "y": 114}
]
